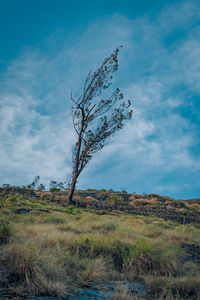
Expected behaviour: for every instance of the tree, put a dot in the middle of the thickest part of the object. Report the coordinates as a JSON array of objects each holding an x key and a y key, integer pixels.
[
  {"x": 96, "y": 118},
  {"x": 34, "y": 183},
  {"x": 55, "y": 186},
  {"x": 41, "y": 187}
]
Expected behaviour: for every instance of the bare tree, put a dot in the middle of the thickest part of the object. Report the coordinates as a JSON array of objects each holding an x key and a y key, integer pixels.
[{"x": 96, "y": 118}]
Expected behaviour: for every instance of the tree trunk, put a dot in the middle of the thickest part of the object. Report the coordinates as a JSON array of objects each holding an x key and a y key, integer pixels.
[
  {"x": 76, "y": 171},
  {"x": 72, "y": 188}
]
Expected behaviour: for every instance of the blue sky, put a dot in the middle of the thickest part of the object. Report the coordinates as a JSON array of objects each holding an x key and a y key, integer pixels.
[{"x": 48, "y": 48}]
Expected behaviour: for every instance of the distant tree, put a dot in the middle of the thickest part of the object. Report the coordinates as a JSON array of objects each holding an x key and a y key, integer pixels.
[
  {"x": 96, "y": 118},
  {"x": 6, "y": 185},
  {"x": 55, "y": 186},
  {"x": 41, "y": 187},
  {"x": 34, "y": 183}
]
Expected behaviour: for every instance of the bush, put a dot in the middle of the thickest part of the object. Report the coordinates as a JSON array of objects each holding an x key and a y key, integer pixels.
[
  {"x": 22, "y": 267},
  {"x": 144, "y": 259},
  {"x": 96, "y": 270}
]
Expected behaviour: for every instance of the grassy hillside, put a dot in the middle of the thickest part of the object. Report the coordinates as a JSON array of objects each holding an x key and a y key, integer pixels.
[{"x": 50, "y": 248}]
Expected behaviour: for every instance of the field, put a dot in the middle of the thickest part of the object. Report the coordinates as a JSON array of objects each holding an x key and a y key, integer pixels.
[{"x": 50, "y": 248}]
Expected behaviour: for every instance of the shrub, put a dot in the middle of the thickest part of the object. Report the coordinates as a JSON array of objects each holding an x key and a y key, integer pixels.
[
  {"x": 144, "y": 259},
  {"x": 96, "y": 270},
  {"x": 22, "y": 267},
  {"x": 114, "y": 250}
]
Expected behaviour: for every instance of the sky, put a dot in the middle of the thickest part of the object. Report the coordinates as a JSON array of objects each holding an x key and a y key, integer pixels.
[{"x": 47, "y": 49}]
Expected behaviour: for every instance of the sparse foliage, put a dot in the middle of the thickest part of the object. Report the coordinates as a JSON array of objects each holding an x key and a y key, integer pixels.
[
  {"x": 6, "y": 185},
  {"x": 34, "y": 183},
  {"x": 41, "y": 187},
  {"x": 55, "y": 186},
  {"x": 96, "y": 118}
]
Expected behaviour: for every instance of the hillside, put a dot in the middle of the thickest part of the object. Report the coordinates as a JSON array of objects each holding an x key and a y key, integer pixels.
[
  {"x": 107, "y": 245},
  {"x": 182, "y": 211}
]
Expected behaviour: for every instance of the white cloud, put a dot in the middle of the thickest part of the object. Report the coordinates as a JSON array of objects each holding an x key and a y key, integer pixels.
[
  {"x": 31, "y": 143},
  {"x": 37, "y": 135}
]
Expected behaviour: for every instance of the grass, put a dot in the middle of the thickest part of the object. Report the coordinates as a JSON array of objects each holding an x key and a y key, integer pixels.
[
  {"x": 169, "y": 288},
  {"x": 123, "y": 293},
  {"x": 5, "y": 232},
  {"x": 52, "y": 250}
]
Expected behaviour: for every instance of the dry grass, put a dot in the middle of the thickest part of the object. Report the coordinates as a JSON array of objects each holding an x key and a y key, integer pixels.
[
  {"x": 5, "y": 232},
  {"x": 123, "y": 292},
  {"x": 49, "y": 251},
  {"x": 22, "y": 266},
  {"x": 55, "y": 288},
  {"x": 174, "y": 288},
  {"x": 97, "y": 270}
]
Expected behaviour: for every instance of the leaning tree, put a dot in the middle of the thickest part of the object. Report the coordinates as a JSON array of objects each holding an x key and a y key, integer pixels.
[{"x": 96, "y": 117}]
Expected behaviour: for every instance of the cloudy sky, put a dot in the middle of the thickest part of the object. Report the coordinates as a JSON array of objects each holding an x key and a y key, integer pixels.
[{"x": 47, "y": 49}]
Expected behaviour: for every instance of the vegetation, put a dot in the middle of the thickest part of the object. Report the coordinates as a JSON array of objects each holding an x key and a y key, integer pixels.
[
  {"x": 50, "y": 249},
  {"x": 96, "y": 117}
]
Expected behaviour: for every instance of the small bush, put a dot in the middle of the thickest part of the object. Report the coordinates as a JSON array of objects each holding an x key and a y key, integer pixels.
[
  {"x": 144, "y": 259},
  {"x": 22, "y": 267},
  {"x": 96, "y": 270},
  {"x": 114, "y": 250}
]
